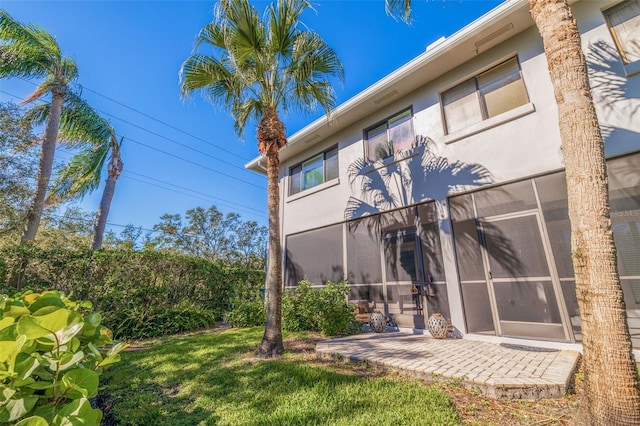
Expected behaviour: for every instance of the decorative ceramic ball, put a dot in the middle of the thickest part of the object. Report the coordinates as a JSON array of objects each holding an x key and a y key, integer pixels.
[
  {"x": 377, "y": 322},
  {"x": 438, "y": 326}
]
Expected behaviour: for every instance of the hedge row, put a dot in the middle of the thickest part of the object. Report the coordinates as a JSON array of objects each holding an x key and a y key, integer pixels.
[{"x": 139, "y": 293}]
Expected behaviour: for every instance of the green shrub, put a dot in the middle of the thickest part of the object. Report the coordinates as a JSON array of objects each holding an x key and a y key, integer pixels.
[
  {"x": 140, "y": 293},
  {"x": 246, "y": 313},
  {"x": 50, "y": 359},
  {"x": 318, "y": 309}
]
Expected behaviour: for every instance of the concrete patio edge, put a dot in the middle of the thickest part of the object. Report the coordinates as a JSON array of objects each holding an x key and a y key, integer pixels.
[{"x": 494, "y": 369}]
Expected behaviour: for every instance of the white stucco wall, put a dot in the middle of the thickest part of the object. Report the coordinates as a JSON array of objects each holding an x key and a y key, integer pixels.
[{"x": 521, "y": 147}]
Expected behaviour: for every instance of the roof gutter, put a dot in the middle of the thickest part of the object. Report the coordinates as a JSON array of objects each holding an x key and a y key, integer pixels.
[{"x": 434, "y": 51}]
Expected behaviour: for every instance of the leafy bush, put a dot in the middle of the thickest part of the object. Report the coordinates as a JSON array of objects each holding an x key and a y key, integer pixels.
[
  {"x": 140, "y": 293},
  {"x": 246, "y": 313},
  {"x": 318, "y": 309},
  {"x": 50, "y": 359}
]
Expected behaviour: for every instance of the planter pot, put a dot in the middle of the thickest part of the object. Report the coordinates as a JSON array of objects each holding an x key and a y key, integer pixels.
[
  {"x": 377, "y": 322},
  {"x": 438, "y": 326}
]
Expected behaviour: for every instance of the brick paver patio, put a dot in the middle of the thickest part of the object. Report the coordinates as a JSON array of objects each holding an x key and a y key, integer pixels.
[{"x": 497, "y": 370}]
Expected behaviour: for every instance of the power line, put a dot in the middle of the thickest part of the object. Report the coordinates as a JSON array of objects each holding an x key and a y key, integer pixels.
[
  {"x": 159, "y": 121},
  {"x": 194, "y": 191},
  {"x": 173, "y": 140},
  {"x": 178, "y": 157},
  {"x": 210, "y": 198},
  {"x": 164, "y": 123},
  {"x": 90, "y": 221},
  {"x": 194, "y": 163},
  {"x": 261, "y": 214}
]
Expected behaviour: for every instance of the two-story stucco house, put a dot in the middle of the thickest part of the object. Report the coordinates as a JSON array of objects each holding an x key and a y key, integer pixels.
[{"x": 440, "y": 188}]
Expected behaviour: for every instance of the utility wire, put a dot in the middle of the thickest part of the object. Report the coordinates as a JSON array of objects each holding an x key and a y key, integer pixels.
[
  {"x": 260, "y": 214},
  {"x": 194, "y": 191},
  {"x": 165, "y": 123},
  {"x": 178, "y": 157},
  {"x": 173, "y": 140},
  {"x": 157, "y": 120},
  {"x": 90, "y": 221},
  {"x": 194, "y": 163},
  {"x": 210, "y": 198}
]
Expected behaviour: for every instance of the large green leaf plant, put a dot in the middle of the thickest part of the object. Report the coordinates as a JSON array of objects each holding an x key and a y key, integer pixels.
[{"x": 52, "y": 351}]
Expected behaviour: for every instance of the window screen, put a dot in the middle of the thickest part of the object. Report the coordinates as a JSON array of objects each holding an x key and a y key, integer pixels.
[
  {"x": 314, "y": 256},
  {"x": 363, "y": 252},
  {"x": 514, "y": 197}
]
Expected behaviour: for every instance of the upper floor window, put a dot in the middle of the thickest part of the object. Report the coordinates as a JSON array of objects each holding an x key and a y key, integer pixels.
[
  {"x": 624, "y": 22},
  {"x": 390, "y": 137},
  {"x": 490, "y": 93},
  {"x": 314, "y": 171}
]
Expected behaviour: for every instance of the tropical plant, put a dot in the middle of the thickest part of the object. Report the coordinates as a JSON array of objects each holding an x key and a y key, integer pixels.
[
  {"x": 261, "y": 66},
  {"x": 50, "y": 359},
  {"x": 82, "y": 127},
  {"x": 29, "y": 52},
  {"x": 607, "y": 346}
]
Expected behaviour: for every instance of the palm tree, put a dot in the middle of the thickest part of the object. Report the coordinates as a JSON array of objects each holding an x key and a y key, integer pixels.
[
  {"x": 612, "y": 386},
  {"x": 261, "y": 67},
  {"x": 30, "y": 52},
  {"x": 82, "y": 127}
]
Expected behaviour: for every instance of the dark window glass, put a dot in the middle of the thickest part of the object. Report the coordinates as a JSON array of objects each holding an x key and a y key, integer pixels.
[
  {"x": 486, "y": 95},
  {"x": 391, "y": 137},
  {"x": 314, "y": 171}
]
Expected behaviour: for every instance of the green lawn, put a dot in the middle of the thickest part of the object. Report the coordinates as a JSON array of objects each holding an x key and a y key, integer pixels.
[{"x": 213, "y": 378}]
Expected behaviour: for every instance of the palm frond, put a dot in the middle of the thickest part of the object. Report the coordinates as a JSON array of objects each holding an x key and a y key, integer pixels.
[
  {"x": 81, "y": 125},
  {"x": 80, "y": 176},
  {"x": 399, "y": 10},
  {"x": 29, "y": 51},
  {"x": 244, "y": 32},
  {"x": 261, "y": 65},
  {"x": 212, "y": 34},
  {"x": 37, "y": 114},
  {"x": 21, "y": 61},
  {"x": 243, "y": 111},
  {"x": 45, "y": 87},
  {"x": 283, "y": 20}
]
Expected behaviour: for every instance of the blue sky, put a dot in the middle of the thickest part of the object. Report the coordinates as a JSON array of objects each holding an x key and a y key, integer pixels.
[{"x": 180, "y": 154}]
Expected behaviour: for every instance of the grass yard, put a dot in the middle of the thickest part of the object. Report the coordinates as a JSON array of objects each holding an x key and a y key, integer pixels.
[{"x": 213, "y": 378}]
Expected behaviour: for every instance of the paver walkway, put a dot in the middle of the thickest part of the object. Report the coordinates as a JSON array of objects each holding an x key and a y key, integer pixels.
[{"x": 498, "y": 370}]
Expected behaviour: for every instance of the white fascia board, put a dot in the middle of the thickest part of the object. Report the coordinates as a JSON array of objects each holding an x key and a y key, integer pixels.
[{"x": 432, "y": 54}]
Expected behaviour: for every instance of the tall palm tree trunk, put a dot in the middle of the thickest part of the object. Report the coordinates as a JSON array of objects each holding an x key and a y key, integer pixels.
[
  {"x": 271, "y": 137},
  {"x": 114, "y": 170},
  {"x": 45, "y": 167},
  {"x": 612, "y": 393},
  {"x": 271, "y": 344}
]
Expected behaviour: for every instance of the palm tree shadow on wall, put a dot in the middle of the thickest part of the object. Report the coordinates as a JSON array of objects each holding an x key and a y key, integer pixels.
[
  {"x": 616, "y": 97},
  {"x": 379, "y": 193}
]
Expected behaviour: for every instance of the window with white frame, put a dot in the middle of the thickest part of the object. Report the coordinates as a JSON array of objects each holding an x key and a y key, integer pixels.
[
  {"x": 624, "y": 23},
  {"x": 390, "y": 136},
  {"x": 314, "y": 171},
  {"x": 488, "y": 94}
]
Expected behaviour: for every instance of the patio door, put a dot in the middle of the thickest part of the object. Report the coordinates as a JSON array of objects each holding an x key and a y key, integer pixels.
[
  {"x": 402, "y": 269},
  {"x": 523, "y": 289}
]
